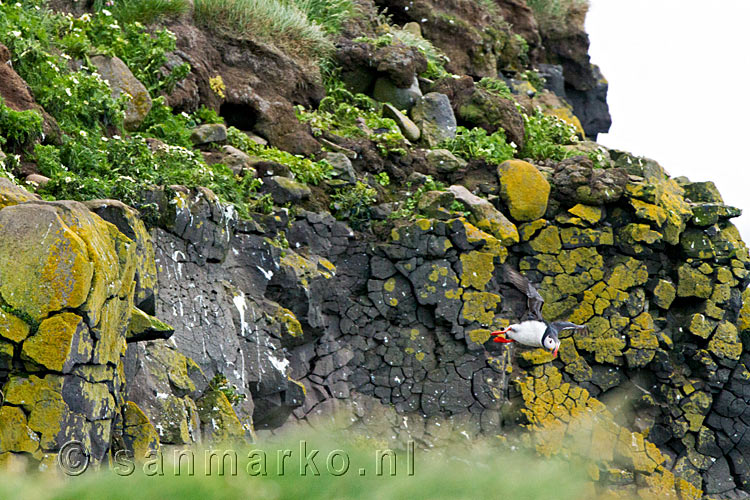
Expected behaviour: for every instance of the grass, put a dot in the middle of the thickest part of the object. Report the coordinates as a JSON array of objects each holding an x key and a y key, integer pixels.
[
  {"x": 455, "y": 473},
  {"x": 299, "y": 27},
  {"x": 557, "y": 15},
  {"x": 147, "y": 11}
]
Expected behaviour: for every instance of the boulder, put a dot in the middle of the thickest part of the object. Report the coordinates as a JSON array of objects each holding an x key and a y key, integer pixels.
[
  {"x": 524, "y": 189},
  {"x": 402, "y": 98},
  {"x": 342, "y": 167},
  {"x": 121, "y": 80},
  {"x": 408, "y": 128},
  {"x": 486, "y": 217},
  {"x": 474, "y": 106},
  {"x": 208, "y": 133},
  {"x": 577, "y": 181},
  {"x": 434, "y": 116},
  {"x": 284, "y": 190},
  {"x": 443, "y": 161}
]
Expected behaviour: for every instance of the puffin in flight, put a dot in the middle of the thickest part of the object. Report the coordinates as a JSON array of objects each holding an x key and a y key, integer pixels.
[{"x": 534, "y": 331}]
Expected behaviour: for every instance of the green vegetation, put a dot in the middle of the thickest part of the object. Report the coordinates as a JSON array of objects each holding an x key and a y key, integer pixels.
[
  {"x": 495, "y": 86},
  {"x": 144, "y": 11},
  {"x": 17, "y": 128},
  {"x": 555, "y": 14},
  {"x": 461, "y": 471},
  {"x": 475, "y": 143},
  {"x": 341, "y": 113},
  {"x": 383, "y": 179},
  {"x": 221, "y": 384},
  {"x": 353, "y": 204},
  {"x": 435, "y": 58},
  {"x": 409, "y": 207},
  {"x": 300, "y": 27},
  {"x": 545, "y": 136},
  {"x": 304, "y": 169}
]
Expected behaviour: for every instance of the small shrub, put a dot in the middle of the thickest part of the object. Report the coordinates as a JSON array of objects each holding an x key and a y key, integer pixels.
[
  {"x": 304, "y": 169},
  {"x": 341, "y": 112},
  {"x": 217, "y": 85},
  {"x": 495, "y": 86},
  {"x": 545, "y": 135},
  {"x": 383, "y": 179},
  {"x": 232, "y": 392},
  {"x": 18, "y": 128},
  {"x": 556, "y": 14},
  {"x": 353, "y": 204},
  {"x": 476, "y": 143}
]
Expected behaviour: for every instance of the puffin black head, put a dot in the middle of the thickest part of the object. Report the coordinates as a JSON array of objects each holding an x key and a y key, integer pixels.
[{"x": 551, "y": 342}]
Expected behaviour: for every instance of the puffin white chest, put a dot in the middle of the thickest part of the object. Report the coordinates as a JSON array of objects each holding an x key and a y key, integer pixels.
[{"x": 528, "y": 333}]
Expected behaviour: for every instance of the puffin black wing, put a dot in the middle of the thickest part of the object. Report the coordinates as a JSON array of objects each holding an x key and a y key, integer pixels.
[
  {"x": 559, "y": 326},
  {"x": 534, "y": 300}
]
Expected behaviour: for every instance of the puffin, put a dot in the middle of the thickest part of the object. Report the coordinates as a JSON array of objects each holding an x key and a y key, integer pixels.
[{"x": 533, "y": 331}]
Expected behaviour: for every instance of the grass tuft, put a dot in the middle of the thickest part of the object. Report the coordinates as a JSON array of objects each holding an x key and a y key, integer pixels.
[
  {"x": 148, "y": 11},
  {"x": 299, "y": 27},
  {"x": 558, "y": 15}
]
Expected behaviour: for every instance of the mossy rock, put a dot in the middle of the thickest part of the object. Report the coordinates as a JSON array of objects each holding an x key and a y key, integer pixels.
[
  {"x": 697, "y": 244},
  {"x": 219, "y": 420},
  {"x": 693, "y": 283},
  {"x": 588, "y": 213},
  {"x": 144, "y": 327},
  {"x": 11, "y": 194},
  {"x": 664, "y": 293},
  {"x": 15, "y": 435},
  {"x": 60, "y": 256},
  {"x": 524, "y": 189},
  {"x": 547, "y": 241},
  {"x": 139, "y": 434},
  {"x": 12, "y": 327},
  {"x": 61, "y": 342}
]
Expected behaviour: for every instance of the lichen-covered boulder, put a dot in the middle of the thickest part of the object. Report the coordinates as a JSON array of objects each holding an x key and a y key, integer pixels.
[
  {"x": 486, "y": 217},
  {"x": 524, "y": 189},
  {"x": 11, "y": 194},
  {"x": 122, "y": 81}
]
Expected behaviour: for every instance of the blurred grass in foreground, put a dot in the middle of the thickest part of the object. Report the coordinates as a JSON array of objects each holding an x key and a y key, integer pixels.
[{"x": 460, "y": 472}]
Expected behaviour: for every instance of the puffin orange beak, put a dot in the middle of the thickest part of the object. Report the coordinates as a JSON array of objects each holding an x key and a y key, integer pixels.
[{"x": 554, "y": 353}]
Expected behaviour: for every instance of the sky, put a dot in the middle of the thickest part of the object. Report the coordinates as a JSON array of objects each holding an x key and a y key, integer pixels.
[{"x": 678, "y": 71}]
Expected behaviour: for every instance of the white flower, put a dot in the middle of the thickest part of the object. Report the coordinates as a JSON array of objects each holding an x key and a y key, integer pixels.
[
  {"x": 83, "y": 133},
  {"x": 104, "y": 139},
  {"x": 67, "y": 91},
  {"x": 85, "y": 18},
  {"x": 15, "y": 33},
  {"x": 106, "y": 12},
  {"x": 68, "y": 180},
  {"x": 116, "y": 137}
]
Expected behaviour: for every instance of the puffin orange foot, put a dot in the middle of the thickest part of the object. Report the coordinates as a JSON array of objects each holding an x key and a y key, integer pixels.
[{"x": 501, "y": 340}]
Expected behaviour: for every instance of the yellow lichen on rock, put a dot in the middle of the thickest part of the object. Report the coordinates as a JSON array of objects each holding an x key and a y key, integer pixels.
[
  {"x": 524, "y": 189},
  {"x": 476, "y": 269}
]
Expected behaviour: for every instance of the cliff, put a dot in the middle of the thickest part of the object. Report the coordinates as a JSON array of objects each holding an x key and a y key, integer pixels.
[{"x": 264, "y": 231}]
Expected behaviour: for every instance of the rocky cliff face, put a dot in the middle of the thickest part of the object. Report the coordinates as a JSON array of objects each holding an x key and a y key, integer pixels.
[{"x": 272, "y": 321}]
